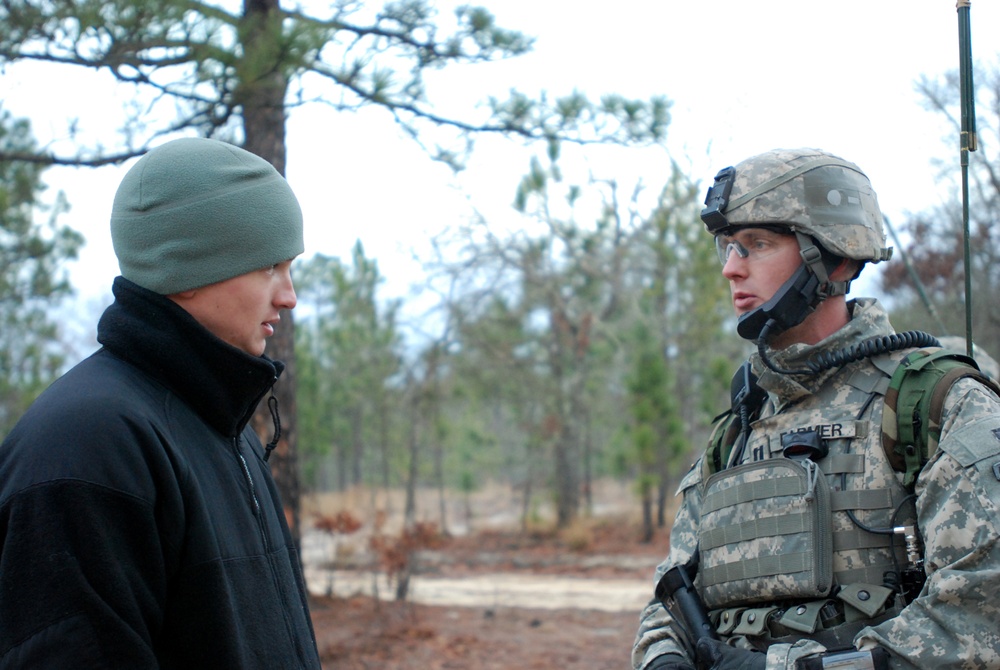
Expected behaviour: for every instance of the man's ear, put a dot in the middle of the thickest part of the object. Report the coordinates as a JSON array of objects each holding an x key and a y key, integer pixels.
[{"x": 847, "y": 270}]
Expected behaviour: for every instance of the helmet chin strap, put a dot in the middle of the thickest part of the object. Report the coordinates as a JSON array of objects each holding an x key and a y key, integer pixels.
[
  {"x": 797, "y": 298},
  {"x": 812, "y": 256},
  {"x": 787, "y": 308}
]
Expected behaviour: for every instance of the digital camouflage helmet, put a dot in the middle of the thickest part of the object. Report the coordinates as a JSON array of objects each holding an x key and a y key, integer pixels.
[
  {"x": 826, "y": 202},
  {"x": 807, "y": 190}
]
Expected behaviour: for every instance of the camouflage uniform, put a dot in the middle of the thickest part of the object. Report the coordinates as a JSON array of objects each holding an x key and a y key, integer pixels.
[
  {"x": 797, "y": 555},
  {"x": 955, "y": 620}
]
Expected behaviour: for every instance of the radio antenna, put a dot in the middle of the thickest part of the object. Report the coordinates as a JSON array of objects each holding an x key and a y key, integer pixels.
[{"x": 968, "y": 144}]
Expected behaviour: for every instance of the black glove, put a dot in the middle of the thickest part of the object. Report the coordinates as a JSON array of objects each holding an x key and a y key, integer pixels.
[
  {"x": 715, "y": 655},
  {"x": 670, "y": 662}
]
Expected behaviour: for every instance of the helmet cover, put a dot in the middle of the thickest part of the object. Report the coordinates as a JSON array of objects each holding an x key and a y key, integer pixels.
[{"x": 806, "y": 190}]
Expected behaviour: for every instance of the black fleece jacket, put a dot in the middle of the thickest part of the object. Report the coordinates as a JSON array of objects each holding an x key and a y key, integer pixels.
[{"x": 139, "y": 524}]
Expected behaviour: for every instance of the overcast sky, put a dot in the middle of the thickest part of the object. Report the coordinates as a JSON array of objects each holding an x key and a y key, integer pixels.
[{"x": 744, "y": 77}]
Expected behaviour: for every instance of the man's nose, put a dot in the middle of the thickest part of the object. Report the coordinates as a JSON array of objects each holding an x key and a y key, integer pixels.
[
  {"x": 735, "y": 265},
  {"x": 286, "y": 298}
]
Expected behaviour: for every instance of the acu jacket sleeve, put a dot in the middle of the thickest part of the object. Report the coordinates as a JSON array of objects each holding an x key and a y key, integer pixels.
[
  {"x": 659, "y": 632},
  {"x": 955, "y": 621}
]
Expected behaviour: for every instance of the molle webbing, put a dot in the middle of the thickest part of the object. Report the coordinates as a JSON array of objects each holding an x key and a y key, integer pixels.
[
  {"x": 757, "y": 490},
  {"x": 834, "y": 464},
  {"x": 855, "y": 538},
  {"x": 750, "y": 530},
  {"x": 765, "y": 533},
  {"x": 754, "y": 568},
  {"x": 747, "y": 516},
  {"x": 862, "y": 500}
]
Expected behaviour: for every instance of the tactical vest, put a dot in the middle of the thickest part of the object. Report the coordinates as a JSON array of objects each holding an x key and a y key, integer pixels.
[{"x": 803, "y": 547}]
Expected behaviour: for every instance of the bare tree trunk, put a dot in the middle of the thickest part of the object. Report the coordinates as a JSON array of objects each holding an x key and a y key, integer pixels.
[
  {"x": 467, "y": 509},
  {"x": 261, "y": 93},
  {"x": 526, "y": 502},
  {"x": 439, "y": 476},
  {"x": 357, "y": 445},
  {"x": 403, "y": 583},
  {"x": 384, "y": 464},
  {"x": 588, "y": 477},
  {"x": 410, "y": 507},
  {"x": 340, "y": 452},
  {"x": 663, "y": 480},
  {"x": 434, "y": 419},
  {"x": 661, "y": 502},
  {"x": 567, "y": 477},
  {"x": 647, "y": 513}
]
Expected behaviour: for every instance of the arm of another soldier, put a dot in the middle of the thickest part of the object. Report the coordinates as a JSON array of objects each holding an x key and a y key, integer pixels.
[
  {"x": 955, "y": 621},
  {"x": 659, "y": 632}
]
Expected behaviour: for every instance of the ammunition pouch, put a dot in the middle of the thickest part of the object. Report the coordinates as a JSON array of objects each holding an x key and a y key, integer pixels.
[
  {"x": 766, "y": 534},
  {"x": 833, "y": 621}
]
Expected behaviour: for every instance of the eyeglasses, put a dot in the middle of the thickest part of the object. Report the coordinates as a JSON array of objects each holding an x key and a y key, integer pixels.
[{"x": 753, "y": 244}]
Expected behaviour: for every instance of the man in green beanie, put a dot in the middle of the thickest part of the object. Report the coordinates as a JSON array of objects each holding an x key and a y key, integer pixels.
[{"x": 139, "y": 524}]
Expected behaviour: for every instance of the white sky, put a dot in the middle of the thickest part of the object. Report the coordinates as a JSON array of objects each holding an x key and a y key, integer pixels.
[{"x": 744, "y": 77}]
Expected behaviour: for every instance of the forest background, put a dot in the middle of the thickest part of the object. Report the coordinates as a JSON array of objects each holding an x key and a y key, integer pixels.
[{"x": 564, "y": 320}]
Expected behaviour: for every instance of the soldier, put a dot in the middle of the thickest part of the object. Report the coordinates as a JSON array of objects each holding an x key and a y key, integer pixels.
[{"x": 807, "y": 546}]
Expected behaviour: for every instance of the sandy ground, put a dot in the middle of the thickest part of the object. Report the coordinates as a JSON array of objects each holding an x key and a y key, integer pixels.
[
  {"x": 496, "y": 597},
  {"x": 358, "y": 633}
]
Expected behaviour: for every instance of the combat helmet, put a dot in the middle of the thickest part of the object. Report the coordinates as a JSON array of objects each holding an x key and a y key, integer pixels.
[
  {"x": 828, "y": 204},
  {"x": 806, "y": 190}
]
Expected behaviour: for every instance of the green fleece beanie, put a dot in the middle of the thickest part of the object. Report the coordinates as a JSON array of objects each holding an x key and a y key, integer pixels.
[{"x": 194, "y": 212}]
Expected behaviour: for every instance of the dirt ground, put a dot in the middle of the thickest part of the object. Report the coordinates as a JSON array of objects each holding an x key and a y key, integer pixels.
[{"x": 359, "y": 632}]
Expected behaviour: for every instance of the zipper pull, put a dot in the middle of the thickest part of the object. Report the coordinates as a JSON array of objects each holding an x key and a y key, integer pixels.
[{"x": 812, "y": 477}]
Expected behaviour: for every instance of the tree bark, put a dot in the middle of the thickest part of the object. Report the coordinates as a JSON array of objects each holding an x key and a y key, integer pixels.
[{"x": 261, "y": 94}]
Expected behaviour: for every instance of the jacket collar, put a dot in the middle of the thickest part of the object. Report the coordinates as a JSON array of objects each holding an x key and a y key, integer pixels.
[
  {"x": 868, "y": 319},
  {"x": 222, "y": 383}
]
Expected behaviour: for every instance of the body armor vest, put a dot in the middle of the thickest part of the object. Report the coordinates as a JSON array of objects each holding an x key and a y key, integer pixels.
[{"x": 797, "y": 537}]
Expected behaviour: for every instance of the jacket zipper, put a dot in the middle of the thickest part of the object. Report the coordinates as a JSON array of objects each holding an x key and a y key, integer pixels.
[
  {"x": 253, "y": 493},
  {"x": 289, "y": 628}
]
